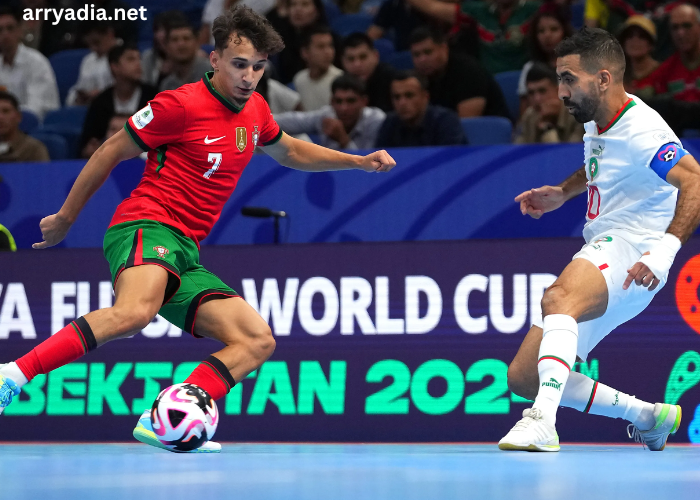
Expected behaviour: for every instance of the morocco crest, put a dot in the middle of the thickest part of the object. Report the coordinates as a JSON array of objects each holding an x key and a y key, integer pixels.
[{"x": 162, "y": 251}]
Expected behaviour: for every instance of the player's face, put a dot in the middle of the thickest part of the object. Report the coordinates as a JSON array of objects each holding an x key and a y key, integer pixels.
[
  {"x": 348, "y": 106},
  {"x": 10, "y": 33},
  {"x": 360, "y": 61},
  {"x": 239, "y": 68},
  {"x": 9, "y": 118},
  {"x": 577, "y": 88}
]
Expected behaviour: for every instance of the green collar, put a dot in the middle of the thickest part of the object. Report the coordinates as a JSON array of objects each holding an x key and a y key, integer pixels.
[
  {"x": 625, "y": 107},
  {"x": 207, "y": 81}
]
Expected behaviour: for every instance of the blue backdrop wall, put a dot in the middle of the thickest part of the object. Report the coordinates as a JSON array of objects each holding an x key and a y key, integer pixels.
[{"x": 432, "y": 194}]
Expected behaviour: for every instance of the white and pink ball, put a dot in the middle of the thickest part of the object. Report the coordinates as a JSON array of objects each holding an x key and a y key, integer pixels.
[{"x": 184, "y": 417}]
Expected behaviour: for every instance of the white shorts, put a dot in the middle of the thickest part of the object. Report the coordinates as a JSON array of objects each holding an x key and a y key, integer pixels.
[{"x": 613, "y": 255}]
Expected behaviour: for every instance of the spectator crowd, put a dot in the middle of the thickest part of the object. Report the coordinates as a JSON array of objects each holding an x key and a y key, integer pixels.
[{"x": 354, "y": 74}]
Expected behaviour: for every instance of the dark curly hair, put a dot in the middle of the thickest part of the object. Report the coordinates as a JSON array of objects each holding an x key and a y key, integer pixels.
[{"x": 242, "y": 21}]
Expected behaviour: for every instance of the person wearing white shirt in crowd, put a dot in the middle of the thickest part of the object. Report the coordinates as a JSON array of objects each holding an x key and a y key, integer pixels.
[
  {"x": 348, "y": 123},
  {"x": 314, "y": 82},
  {"x": 214, "y": 8},
  {"x": 95, "y": 75},
  {"x": 25, "y": 72},
  {"x": 279, "y": 97}
]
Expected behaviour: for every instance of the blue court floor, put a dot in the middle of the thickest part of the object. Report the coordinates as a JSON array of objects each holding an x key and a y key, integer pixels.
[{"x": 353, "y": 472}]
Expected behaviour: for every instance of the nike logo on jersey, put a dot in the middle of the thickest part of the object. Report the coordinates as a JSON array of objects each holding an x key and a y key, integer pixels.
[{"x": 209, "y": 141}]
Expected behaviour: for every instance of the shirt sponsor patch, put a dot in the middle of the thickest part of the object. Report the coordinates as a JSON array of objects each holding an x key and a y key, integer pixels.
[{"x": 143, "y": 117}]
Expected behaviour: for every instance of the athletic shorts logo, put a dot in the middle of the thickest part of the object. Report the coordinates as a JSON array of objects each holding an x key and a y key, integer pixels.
[
  {"x": 606, "y": 239},
  {"x": 161, "y": 250},
  {"x": 668, "y": 154},
  {"x": 143, "y": 117},
  {"x": 553, "y": 383},
  {"x": 241, "y": 138},
  {"x": 593, "y": 167}
]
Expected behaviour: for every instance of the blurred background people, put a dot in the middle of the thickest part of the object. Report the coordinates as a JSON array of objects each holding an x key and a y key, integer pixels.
[
  {"x": 347, "y": 123},
  {"x": 15, "y": 145},
  {"x": 94, "y": 75},
  {"x": 546, "y": 120},
  {"x": 414, "y": 121},
  {"x": 314, "y": 82},
  {"x": 638, "y": 37},
  {"x": 182, "y": 47},
  {"x": 361, "y": 60}
]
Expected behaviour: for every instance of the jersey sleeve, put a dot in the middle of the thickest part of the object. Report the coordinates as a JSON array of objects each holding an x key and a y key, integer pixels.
[
  {"x": 162, "y": 121},
  {"x": 658, "y": 150},
  {"x": 270, "y": 132}
]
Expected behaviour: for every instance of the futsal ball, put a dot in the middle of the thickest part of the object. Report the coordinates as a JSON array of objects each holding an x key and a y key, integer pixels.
[{"x": 184, "y": 417}]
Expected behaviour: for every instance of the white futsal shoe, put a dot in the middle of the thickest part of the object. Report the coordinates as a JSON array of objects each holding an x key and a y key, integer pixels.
[
  {"x": 668, "y": 420},
  {"x": 144, "y": 433},
  {"x": 531, "y": 433}
]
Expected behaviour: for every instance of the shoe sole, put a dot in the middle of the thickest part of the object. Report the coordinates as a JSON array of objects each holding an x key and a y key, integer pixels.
[
  {"x": 530, "y": 447},
  {"x": 149, "y": 437}
]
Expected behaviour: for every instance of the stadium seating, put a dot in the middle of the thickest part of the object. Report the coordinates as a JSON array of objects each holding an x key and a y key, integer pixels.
[
  {"x": 57, "y": 146},
  {"x": 29, "y": 122},
  {"x": 508, "y": 81},
  {"x": 487, "y": 130},
  {"x": 71, "y": 115},
  {"x": 66, "y": 66},
  {"x": 350, "y": 23},
  {"x": 401, "y": 60},
  {"x": 577, "y": 14},
  {"x": 385, "y": 47}
]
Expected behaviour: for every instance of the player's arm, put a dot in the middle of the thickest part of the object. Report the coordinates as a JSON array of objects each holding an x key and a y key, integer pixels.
[
  {"x": 301, "y": 155},
  {"x": 655, "y": 264},
  {"x": 444, "y": 11},
  {"x": 116, "y": 149},
  {"x": 538, "y": 201}
]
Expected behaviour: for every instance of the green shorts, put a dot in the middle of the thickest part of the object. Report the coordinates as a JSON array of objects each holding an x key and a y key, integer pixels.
[{"x": 142, "y": 242}]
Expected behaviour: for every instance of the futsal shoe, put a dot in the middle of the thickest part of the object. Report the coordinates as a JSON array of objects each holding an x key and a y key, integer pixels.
[
  {"x": 668, "y": 420},
  {"x": 8, "y": 389},
  {"x": 144, "y": 433},
  {"x": 531, "y": 433}
]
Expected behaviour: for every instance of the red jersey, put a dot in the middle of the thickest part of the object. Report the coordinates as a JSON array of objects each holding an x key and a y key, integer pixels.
[
  {"x": 674, "y": 78},
  {"x": 198, "y": 144}
]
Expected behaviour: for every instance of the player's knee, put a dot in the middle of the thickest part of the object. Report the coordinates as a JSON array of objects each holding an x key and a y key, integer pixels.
[
  {"x": 554, "y": 300},
  {"x": 133, "y": 319},
  {"x": 263, "y": 342}
]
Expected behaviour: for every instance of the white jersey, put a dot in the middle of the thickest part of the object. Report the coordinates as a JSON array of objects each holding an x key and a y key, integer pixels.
[{"x": 624, "y": 193}]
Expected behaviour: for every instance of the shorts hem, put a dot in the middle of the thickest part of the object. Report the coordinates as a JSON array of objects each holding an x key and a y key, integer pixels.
[{"x": 196, "y": 303}]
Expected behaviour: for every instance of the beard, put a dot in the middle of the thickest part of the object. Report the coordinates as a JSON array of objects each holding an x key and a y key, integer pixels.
[{"x": 583, "y": 111}]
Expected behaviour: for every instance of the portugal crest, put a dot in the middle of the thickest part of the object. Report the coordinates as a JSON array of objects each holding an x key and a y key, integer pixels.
[
  {"x": 161, "y": 250},
  {"x": 241, "y": 138},
  {"x": 256, "y": 134}
]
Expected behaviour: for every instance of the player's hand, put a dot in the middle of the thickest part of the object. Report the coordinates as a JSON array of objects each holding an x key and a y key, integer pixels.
[
  {"x": 641, "y": 275},
  {"x": 538, "y": 201},
  {"x": 379, "y": 161},
  {"x": 53, "y": 229}
]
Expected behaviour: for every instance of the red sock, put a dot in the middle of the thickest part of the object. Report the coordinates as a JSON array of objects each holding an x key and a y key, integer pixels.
[
  {"x": 68, "y": 344},
  {"x": 212, "y": 376}
]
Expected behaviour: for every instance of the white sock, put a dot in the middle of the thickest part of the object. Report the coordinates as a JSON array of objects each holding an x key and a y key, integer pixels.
[
  {"x": 557, "y": 356},
  {"x": 588, "y": 396},
  {"x": 12, "y": 371}
]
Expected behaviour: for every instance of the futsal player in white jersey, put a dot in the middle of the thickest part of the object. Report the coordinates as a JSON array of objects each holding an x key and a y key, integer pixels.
[{"x": 643, "y": 204}]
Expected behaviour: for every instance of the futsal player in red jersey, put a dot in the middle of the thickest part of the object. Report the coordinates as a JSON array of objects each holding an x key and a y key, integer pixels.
[{"x": 199, "y": 139}]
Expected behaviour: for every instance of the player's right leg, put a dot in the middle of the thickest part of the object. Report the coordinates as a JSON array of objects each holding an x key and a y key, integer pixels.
[
  {"x": 649, "y": 423},
  {"x": 580, "y": 293},
  {"x": 139, "y": 295}
]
